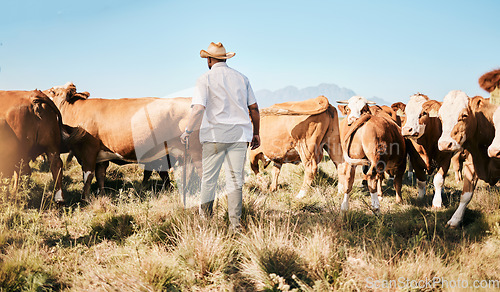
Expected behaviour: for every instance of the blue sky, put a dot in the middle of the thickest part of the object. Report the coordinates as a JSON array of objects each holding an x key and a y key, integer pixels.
[{"x": 388, "y": 49}]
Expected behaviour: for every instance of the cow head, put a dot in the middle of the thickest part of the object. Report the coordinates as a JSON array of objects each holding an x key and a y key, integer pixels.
[
  {"x": 416, "y": 118},
  {"x": 66, "y": 92},
  {"x": 354, "y": 108},
  {"x": 456, "y": 115}
]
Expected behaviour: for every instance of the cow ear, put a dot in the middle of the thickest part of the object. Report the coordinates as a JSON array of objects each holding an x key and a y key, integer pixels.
[
  {"x": 432, "y": 107},
  {"x": 342, "y": 109},
  {"x": 476, "y": 102},
  {"x": 398, "y": 106},
  {"x": 400, "y": 113},
  {"x": 70, "y": 92}
]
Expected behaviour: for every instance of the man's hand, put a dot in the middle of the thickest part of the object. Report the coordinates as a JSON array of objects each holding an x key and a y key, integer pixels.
[
  {"x": 185, "y": 137},
  {"x": 255, "y": 142}
]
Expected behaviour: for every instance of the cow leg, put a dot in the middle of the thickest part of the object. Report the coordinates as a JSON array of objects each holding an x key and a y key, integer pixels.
[
  {"x": 421, "y": 175},
  {"x": 398, "y": 181},
  {"x": 372, "y": 187},
  {"x": 410, "y": 172},
  {"x": 365, "y": 169},
  {"x": 437, "y": 201},
  {"x": 346, "y": 173},
  {"x": 379, "y": 188},
  {"x": 165, "y": 178},
  {"x": 457, "y": 163},
  {"x": 100, "y": 172},
  {"x": 88, "y": 175},
  {"x": 56, "y": 169},
  {"x": 146, "y": 176},
  {"x": 310, "y": 169},
  {"x": 275, "y": 175},
  {"x": 470, "y": 181},
  {"x": 88, "y": 168}
]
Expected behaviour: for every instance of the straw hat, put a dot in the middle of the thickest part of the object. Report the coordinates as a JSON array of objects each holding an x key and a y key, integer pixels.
[{"x": 217, "y": 51}]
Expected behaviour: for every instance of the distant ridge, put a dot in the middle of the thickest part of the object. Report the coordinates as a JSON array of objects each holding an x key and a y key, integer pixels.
[{"x": 333, "y": 92}]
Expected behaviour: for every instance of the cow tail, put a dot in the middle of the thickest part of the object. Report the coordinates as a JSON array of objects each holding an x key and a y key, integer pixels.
[{"x": 346, "y": 143}]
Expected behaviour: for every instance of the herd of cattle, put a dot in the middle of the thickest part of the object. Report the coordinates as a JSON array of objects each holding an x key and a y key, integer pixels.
[{"x": 430, "y": 134}]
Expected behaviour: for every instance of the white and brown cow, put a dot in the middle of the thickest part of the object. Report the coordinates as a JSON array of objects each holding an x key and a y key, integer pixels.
[
  {"x": 129, "y": 129},
  {"x": 423, "y": 132},
  {"x": 370, "y": 140},
  {"x": 295, "y": 132},
  {"x": 468, "y": 124}
]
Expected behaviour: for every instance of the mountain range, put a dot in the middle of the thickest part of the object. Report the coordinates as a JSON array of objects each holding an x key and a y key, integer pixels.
[{"x": 332, "y": 91}]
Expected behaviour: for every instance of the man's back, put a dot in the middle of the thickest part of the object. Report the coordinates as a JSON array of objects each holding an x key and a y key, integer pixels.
[{"x": 226, "y": 95}]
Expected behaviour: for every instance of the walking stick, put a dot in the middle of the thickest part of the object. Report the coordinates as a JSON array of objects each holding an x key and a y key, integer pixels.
[{"x": 184, "y": 168}]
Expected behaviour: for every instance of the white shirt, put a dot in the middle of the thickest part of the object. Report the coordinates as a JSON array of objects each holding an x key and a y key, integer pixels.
[{"x": 226, "y": 94}]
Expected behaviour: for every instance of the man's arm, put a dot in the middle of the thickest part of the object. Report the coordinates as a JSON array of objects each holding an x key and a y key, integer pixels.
[
  {"x": 194, "y": 121},
  {"x": 255, "y": 117}
]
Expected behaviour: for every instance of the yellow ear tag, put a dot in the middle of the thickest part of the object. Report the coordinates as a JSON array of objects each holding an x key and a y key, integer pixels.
[
  {"x": 495, "y": 96},
  {"x": 433, "y": 113}
]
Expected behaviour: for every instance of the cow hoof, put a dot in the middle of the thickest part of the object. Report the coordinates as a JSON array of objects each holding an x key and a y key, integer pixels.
[
  {"x": 301, "y": 194},
  {"x": 437, "y": 207},
  {"x": 452, "y": 224}
]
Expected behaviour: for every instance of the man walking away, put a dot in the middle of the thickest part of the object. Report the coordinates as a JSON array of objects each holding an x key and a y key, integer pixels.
[{"x": 225, "y": 103}]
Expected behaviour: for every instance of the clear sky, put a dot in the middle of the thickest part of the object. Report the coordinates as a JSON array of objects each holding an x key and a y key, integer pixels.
[{"x": 388, "y": 49}]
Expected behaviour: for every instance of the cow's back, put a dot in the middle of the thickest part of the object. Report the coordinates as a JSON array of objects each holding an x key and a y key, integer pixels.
[
  {"x": 125, "y": 124},
  {"x": 281, "y": 133},
  {"x": 377, "y": 136}
]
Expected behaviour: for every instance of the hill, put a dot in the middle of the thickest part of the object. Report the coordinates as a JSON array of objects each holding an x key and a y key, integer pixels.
[{"x": 333, "y": 92}]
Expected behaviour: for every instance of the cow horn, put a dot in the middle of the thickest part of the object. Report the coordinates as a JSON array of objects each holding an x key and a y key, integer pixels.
[
  {"x": 343, "y": 101},
  {"x": 371, "y": 102}
]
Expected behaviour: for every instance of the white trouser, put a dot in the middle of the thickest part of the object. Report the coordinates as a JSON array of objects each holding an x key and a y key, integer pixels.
[{"x": 233, "y": 155}]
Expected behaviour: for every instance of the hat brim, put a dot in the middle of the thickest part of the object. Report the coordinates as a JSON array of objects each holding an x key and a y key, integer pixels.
[{"x": 205, "y": 54}]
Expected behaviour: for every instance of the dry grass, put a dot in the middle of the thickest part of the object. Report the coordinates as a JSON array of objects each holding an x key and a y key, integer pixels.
[{"x": 136, "y": 239}]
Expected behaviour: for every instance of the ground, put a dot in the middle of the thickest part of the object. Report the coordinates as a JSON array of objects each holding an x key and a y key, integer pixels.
[{"x": 138, "y": 238}]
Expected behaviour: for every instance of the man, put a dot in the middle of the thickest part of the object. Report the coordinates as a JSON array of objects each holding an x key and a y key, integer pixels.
[{"x": 225, "y": 103}]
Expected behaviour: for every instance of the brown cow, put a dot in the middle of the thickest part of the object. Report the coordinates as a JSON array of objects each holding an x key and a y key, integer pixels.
[
  {"x": 371, "y": 140},
  {"x": 37, "y": 123},
  {"x": 298, "y": 131},
  {"x": 138, "y": 130},
  {"x": 468, "y": 124},
  {"x": 423, "y": 132}
]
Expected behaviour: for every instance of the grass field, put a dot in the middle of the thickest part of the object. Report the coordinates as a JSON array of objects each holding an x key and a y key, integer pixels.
[{"x": 142, "y": 239}]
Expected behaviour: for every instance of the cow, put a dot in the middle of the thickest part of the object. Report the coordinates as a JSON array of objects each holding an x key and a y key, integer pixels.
[
  {"x": 295, "y": 132},
  {"x": 37, "y": 124},
  {"x": 134, "y": 130},
  {"x": 373, "y": 140},
  {"x": 468, "y": 124},
  {"x": 457, "y": 159},
  {"x": 423, "y": 132},
  {"x": 85, "y": 147}
]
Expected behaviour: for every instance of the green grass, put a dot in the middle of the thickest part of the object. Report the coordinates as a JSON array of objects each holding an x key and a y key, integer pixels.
[{"x": 135, "y": 239}]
